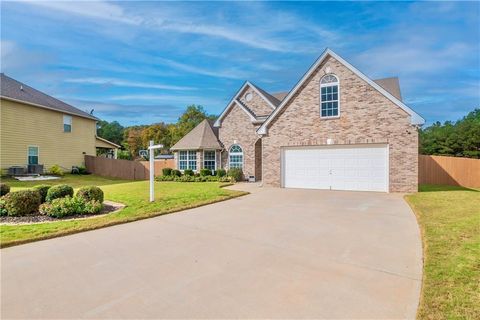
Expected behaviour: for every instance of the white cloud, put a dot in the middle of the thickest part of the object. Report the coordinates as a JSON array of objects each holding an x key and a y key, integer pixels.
[
  {"x": 123, "y": 83},
  {"x": 93, "y": 9}
]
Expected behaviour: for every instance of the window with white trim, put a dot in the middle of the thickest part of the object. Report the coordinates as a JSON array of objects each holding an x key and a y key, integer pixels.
[
  {"x": 235, "y": 157},
  {"x": 209, "y": 159},
  {"x": 67, "y": 123},
  {"x": 32, "y": 155},
  {"x": 187, "y": 159},
  {"x": 329, "y": 96}
]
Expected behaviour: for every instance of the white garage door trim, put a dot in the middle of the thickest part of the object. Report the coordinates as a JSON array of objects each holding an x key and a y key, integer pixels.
[{"x": 333, "y": 164}]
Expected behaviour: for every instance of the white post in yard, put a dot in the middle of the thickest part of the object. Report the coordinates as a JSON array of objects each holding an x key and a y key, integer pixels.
[
  {"x": 151, "y": 150},
  {"x": 152, "y": 169}
]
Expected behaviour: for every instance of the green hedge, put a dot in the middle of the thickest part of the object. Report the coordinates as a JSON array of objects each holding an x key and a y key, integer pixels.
[
  {"x": 69, "y": 206},
  {"x": 23, "y": 202},
  {"x": 90, "y": 193},
  {"x": 4, "y": 189},
  {"x": 59, "y": 191},
  {"x": 43, "y": 190},
  {"x": 236, "y": 173}
]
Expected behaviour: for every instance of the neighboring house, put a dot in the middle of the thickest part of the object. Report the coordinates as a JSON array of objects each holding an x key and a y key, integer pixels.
[
  {"x": 37, "y": 129},
  {"x": 336, "y": 129}
]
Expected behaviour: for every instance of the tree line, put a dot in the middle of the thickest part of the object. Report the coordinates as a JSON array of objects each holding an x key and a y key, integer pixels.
[
  {"x": 459, "y": 139},
  {"x": 452, "y": 138},
  {"x": 136, "y": 138}
]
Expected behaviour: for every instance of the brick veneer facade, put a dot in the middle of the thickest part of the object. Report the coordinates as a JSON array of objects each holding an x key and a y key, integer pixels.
[
  {"x": 237, "y": 128},
  {"x": 366, "y": 116},
  {"x": 257, "y": 104}
]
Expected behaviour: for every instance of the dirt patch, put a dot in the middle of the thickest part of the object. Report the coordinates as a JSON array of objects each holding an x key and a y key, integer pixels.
[{"x": 108, "y": 207}]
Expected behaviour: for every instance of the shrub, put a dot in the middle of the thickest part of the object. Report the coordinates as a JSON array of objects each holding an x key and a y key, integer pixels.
[
  {"x": 221, "y": 173},
  {"x": 82, "y": 170},
  {"x": 63, "y": 207},
  {"x": 167, "y": 171},
  {"x": 90, "y": 193},
  {"x": 165, "y": 178},
  {"x": 92, "y": 207},
  {"x": 226, "y": 179},
  {"x": 235, "y": 173},
  {"x": 205, "y": 172},
  {"x": 43, "y": 190},
  {"x": 59, "y": 191},
  {"x": 56, "y": 170},
  {"x": 3, "y": 209},
  {"x": 23, "y": 202},
  {"x": 176, "y": 173},
  {"x": 4, "y": 189},
  {"x": 188, "y": 172}
]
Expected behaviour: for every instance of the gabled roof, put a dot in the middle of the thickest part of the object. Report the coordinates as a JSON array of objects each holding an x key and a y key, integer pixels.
[
  {"x": 280, "y": 95},
  {"x": 392, "y": 85},
  {"x": 105, "y": 141},
  {"x": 415, "y": 118},
  {"x": 271, "y": 101},
  {"x": 14, "y": 90},
  {"x": 201, "y": 137}
]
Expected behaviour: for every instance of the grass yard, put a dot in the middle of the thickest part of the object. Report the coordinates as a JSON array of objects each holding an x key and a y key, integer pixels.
[
  {"x": 169, "y": 197},
  {"x": 449, "y": 218}
]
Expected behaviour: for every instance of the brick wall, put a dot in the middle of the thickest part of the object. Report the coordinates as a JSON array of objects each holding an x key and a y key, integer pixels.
[{"x": 366, "y": 116}]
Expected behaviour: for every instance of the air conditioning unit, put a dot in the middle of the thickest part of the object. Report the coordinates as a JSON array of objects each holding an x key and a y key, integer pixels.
[
  {"x": 16, "y": 171},
  {"x": 251, "y": 178},
  {"x": 35, "y": 168}
]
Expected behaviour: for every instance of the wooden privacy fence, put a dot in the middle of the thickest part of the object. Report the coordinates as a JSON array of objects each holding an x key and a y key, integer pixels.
[
  {"x": 125, "y": 169},
  {"x": 449, "y": 170}
]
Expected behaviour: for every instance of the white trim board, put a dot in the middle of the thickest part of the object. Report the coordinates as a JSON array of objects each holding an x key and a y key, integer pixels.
[
  {"x": 230, "y": 105},
  {"x": 415, "y": 118}
]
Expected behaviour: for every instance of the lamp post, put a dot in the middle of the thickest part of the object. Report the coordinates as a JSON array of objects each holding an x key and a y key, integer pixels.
[{"x": 151, "y": 150}]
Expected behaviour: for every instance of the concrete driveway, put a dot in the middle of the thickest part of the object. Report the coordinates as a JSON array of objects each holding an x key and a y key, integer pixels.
[{"x": 277, "y": 253}]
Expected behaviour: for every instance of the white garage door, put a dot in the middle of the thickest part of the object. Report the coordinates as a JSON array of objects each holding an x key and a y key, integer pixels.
[{"x": 352, "y": 167}]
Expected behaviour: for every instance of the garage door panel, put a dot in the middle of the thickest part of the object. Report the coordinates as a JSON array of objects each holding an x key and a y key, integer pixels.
[{"x": 339, "y": 168}]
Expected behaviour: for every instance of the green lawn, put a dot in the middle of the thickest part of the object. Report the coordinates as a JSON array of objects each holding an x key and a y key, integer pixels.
[
  {"x": 169, "y": 197},
  {"x": 449, "y": 218},
  {"x": 74, "y": 180}
]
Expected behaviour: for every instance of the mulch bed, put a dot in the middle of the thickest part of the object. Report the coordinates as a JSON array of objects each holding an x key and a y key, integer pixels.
[{"x": 108, "y": 207}]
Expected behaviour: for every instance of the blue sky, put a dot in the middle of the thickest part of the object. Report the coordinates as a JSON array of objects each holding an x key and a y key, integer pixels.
[{"x": 144, "y": 62}]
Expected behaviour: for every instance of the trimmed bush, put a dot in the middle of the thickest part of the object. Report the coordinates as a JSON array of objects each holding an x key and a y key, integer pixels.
[
  {"x": 176, "y": 173},
  {"x": 59, "y": 191},
  {"x": 188, "y": 172},
  {"x": 69, "y": 206},
  {"x": 226, "y": 179},
  {"x": 23, "y": 202},
  {"x": 205, "y": 172},
  {"x": 90, "y": 193},
  {"x": 221, "y": 173},
  {"x": 56, "y": 170},
  {"x": 167, "y": 171},
  {"x": 3, "y": 209},
  {"x": 235, "y": 173},
  {"x": 4, "y": 189},
  {"x": 43, "y": 190}
]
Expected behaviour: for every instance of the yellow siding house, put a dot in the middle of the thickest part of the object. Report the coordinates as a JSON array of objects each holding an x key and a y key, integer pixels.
[{"x": 38, "y": 129}]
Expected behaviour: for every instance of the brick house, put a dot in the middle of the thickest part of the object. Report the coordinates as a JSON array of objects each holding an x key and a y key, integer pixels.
[{"x": 336, "y": 129}]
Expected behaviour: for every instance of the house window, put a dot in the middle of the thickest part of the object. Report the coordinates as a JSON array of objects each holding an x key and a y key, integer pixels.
[
  {"x": 329, "y": 102},
  {"x": 67, "y": 123},
  {"x": 32, "y": 155},
  {"x": 187, "y": 159},
  {"x": 235, "y": 157},
  {"x": 209, "y": 159}
]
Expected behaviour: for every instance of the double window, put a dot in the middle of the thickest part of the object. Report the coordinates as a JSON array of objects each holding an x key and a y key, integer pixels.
[
  {"x": 32, "y": 155},
  {"x": 209, "y": 159},
  {"x": 67, "y": 123},
  {"x": 187, "y": 159},
  {"x": 235, "y": 157},
  {"x": 329, "y": 96}
]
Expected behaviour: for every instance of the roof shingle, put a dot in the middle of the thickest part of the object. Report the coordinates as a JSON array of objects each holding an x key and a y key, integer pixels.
[
  {"x": 13, "y": 89},
  {"x": 203, "y": 136}
]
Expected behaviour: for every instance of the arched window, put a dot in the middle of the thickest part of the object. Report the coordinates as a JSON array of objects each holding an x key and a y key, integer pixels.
[
  {"x": 235, "y": 157},
  {"x": 329, "y": 96}
]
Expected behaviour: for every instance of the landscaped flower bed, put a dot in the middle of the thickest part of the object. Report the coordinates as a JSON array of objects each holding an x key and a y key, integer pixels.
[
  {"x": 47, "y": 203},
  {"x": 204, "y": 175}
]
